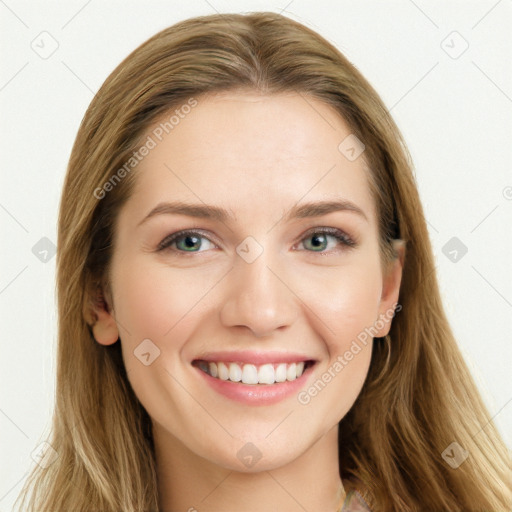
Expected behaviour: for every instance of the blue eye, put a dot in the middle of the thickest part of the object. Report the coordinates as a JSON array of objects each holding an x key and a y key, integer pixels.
[{"x": 190, "y": 241}]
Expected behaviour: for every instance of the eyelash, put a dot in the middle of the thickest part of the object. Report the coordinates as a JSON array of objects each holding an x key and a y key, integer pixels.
[{"x": 339, "y": 235}]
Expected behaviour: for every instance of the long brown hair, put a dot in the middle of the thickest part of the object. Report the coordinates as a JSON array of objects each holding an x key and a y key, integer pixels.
[{"x": 419, "y": 396}]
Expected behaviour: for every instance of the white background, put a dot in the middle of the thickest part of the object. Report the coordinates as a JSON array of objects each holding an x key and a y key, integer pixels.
[{"x": 455, "y": 114}]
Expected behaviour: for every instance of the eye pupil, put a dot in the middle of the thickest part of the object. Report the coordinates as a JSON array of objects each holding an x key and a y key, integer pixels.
[
  {"x": 318, "y": 240},
  {"x": 190, "y": 241}
]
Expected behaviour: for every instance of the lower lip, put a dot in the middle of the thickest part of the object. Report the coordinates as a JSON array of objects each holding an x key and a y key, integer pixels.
[{"x": 257, "y": 394}]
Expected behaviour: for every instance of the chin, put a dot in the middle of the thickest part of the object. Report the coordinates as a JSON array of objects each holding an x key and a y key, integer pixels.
[{"x": 254, "y": 456}]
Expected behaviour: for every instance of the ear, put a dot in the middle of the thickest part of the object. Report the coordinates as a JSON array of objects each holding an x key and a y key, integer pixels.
[
  {"x": 390, "y": 289},
  {"x": 104, "y": 326}
]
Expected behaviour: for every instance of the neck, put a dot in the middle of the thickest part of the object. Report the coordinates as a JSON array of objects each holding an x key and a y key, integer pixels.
[{"x": 190, "y": 483}]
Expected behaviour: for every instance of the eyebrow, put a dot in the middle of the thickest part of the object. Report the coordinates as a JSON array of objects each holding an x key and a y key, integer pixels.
[{"x": 204, "y": 211}]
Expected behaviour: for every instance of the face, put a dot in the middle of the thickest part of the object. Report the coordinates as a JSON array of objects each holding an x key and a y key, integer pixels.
[{"x": 262, "y": 286}]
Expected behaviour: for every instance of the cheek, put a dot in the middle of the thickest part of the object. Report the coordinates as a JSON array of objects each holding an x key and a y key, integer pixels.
[
  {"x": 344, "y": 301},
  {"x": 345, "y": 307},
  {"x": 152, "y": 301},
  {"x": 156, "y": 304}
]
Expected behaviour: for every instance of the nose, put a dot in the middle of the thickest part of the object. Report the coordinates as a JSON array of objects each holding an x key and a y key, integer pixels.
[{"x": 259, "y": 297}]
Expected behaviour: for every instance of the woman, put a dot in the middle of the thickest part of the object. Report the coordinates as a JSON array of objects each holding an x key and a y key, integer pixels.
[{"x": 256, "y": 372}]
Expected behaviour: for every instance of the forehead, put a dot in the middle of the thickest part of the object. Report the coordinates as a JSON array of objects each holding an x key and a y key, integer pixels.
[{"x": 251, "y": 153}]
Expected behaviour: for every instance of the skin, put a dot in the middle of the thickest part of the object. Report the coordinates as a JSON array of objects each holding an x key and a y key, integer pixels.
[{"x": 257, "y": 156}]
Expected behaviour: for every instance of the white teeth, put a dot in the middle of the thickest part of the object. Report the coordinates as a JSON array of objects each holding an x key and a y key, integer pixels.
[
  {"x": 266, "y": 374},
  {"x": 235, "y": 372},
  {"x": 249, "y": 374},
  {"x": 222, "y": 371},
  {"x": 281, "y": 372},
  {"x": 291, "y": 372},
  {"x": 252, "y": 374}
]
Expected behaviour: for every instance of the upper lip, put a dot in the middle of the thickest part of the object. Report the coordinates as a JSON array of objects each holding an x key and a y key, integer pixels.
[{"x": 252, "y": 357}]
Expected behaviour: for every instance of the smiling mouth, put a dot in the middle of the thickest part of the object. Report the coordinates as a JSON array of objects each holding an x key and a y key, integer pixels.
[{"x": 245, "y": 373}]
